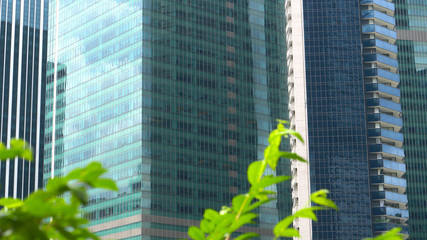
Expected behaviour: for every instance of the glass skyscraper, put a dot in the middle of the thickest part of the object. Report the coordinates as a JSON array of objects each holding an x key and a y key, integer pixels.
[
  {"x": 174, "y": 97},
  {"x": 345, "y": 100},
  {"x": 23, "y": 52},
  {"x": 411, "y": 19}
]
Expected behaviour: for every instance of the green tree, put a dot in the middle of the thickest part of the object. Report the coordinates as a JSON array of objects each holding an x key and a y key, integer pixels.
[{"x": 45, "y": 214}]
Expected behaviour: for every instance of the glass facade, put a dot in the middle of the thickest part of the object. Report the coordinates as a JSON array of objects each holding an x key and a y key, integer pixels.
[
  {"x": 411, "y": 16},
  {"x": 336, "y": 116},
  {"x": 174, "y": 97},
  {"x": 23, "y": 47}
]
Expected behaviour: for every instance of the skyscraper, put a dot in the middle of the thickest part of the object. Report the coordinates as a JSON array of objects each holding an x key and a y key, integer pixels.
[
  {"x": 411, "y": 25},
  {"x": 23, "y": 52},
  {"x": 345, "y": 100},
  {"x": 174, "y": 97}
]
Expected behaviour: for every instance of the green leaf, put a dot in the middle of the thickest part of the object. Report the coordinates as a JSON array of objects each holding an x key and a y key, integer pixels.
[
  {"x": 11, "y": 203},
  {"x": 254, "y": 172},
  {"x": 237, "y": 202},
  {"x": 288, "y": 232},
  {"x": 282, "y": 225},
  {"x": 244, "y": 219},
  {"x": 308, "y": 213},
  {"x": 79, "y": 193},
  {"x": 211, "y": 214},
  {"x": 206, "y": 226},
  {"x": 270, "y": 180},
  {"x": 195, "y": 233},
  {"x": 272, "y": 156},
  {"x": 257, "y": 204},
  {"x": 292, "y": 156},
  {"x": 18, "y": 148},
  {"x": 246, "y": 236},
  {"x": 320, "y": 197},
  {"x": 106, "y": 184}
]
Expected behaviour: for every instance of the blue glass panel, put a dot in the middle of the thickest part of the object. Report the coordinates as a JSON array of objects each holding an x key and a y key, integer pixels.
[
  {"x": 380, "y": 58},
  {"x": 387, "y": 164},
  {"x": 382, "y": 227},
  {"x": 377, "y": 148},
  {"x": 385, "y": 133},
  {"x": 382, "y": 3},
  {"x": 370, "y": 28},
  {"x": 381, "y": 16},
  {"x": 397, "y": 197},
  {"x": 380, "y": 44},
  {"x": 373, "y": 72},
  {"x": 384, "y": 103},
  {"x": 400, "y": 182},
  {"x": 390, "y": 212},
  {"x": 383, "y": 88}
]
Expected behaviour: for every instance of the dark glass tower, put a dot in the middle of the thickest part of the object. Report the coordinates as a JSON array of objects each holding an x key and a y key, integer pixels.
[
  {"x": 411, "y": 25},
  {"x": 345, "y": 100},
  {"x": 23, "y": 52},
  {"x": 175, "y": 97}
]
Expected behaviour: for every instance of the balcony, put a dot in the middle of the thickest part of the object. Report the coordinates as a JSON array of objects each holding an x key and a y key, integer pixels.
[
  {"x": 388, "y": 34},
  {"x": 384, "y": 104},
  {"x": 386, "y": 120},
  {"x": 384, "y": 227},
  {"x": 380, "y": 17},
  {"x": 387, "y": 150},
  {"x": 385, "y": 90},
  {"x": 383, "y": 76},
  {"x": 380, "y": 5},
  {"x": 388, "y": 180},
  {"x": 389, "y": 211},
  {"x": 381, "y": 59},
  {"x": 390, "y": 196},
  {"x": 380, "y": 45},
  {"x": 387, "y": 164},
  {"x": 384, "y": 133}
]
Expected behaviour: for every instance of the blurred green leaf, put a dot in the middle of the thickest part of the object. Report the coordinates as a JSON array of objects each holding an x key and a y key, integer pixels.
[
  {"x": 211, "y": 214},
  {"x": 243, "y": 219},
  {"x": 18, "y": 148},
  {"x": 246, "y": 236},
  {"x": 206, "y": 226},
  {"x": 292, "y": 156},
  {"x": 11, "y": 203},
  {"x": 282, "y": 225},
  {"x": 308, "y": 213},
  {"x": 320, "y": 197},
  {"x": 106, "y": 184},
  {"x": 289, "y": 232},
  {"x": 254, "y": 172},
  {"x": 270, "y": 180},
  {"x": 257, "y": 204},
  {"x": 237, "y": 202}
]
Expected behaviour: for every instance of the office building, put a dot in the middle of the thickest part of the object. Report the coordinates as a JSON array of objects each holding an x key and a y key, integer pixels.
[
  {"x": 345, "y": 101},
  {"x": 411, "y": 23},
  {"x": 23, "y": 54},
  {"x": 174, "y": 97}
]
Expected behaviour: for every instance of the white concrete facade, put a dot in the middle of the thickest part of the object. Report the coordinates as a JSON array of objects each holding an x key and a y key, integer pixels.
[{"x": 298, "y": 111}]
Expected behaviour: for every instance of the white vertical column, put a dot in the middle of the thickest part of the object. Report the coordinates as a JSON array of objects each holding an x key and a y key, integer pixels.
[
  {"x": 298, "y": 111},
  {"x": 18, "y": 94}
]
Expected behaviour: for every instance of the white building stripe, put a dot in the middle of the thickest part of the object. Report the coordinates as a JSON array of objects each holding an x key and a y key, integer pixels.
[
  {"x": 18, "y": 94},
  {"x": 298, "y": 111}
]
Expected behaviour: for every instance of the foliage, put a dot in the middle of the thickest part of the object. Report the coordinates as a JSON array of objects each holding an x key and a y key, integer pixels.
[
  {"x": 220, "y": 225},
  {"x": 44, "y": 214}
]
